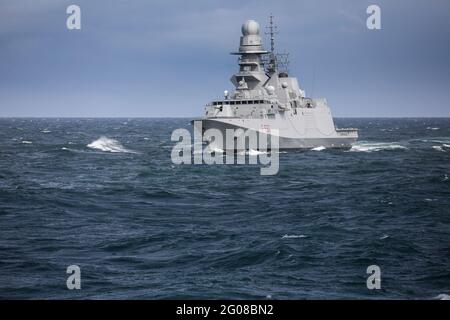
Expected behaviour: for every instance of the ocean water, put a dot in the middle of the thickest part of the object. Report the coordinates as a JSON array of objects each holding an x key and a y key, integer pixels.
[{"x": 103, "y": 194}]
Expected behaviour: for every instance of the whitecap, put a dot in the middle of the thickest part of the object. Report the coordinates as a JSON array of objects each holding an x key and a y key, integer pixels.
[
  {"x": 210, "y": 149},
  {"x": 109, "y": 145},
  {"x": 438, "y": 148},
  {"x": 376, "y": 146},
  {"x": 320, "y": 148},
  {"x": 432, "y": 128},
  {"x": 446, "y": 145},
  {"x": 293, "y": 236},
  {"x": 217, "y": 150},
  {"x": 26, "y": 142},
  {"x": 385, "y": 236},
  {"x": 442, "y": 296},
  {"x": 443, "y": 140},
  {"x": 252, "y": 152},
  {"x": 45, "y": 131}
]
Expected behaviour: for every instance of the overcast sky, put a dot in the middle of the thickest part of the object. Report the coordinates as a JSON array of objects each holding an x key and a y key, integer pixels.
[{"x": 168, "y": 58}]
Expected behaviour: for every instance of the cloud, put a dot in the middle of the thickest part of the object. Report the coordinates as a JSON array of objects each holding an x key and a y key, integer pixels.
[{"x": 130, "y": 52}]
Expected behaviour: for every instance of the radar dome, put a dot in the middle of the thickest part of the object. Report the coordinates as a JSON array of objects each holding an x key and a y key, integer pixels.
[
  {"x": 250, "y": 28},
  {"x": 270, "y": 90}
]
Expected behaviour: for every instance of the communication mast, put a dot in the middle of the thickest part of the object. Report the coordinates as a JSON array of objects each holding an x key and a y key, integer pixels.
[
  {"x": 275, "y": 62},
  {"x": 273, "y": 30}
]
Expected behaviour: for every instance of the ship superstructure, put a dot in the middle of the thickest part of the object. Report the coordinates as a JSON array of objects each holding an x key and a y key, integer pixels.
[{"x": 266, "y": 97}]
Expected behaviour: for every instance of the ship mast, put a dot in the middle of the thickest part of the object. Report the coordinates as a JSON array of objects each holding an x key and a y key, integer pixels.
[
  {"x": 272, "y": 31},
  {"x": 276, "y": 62}
]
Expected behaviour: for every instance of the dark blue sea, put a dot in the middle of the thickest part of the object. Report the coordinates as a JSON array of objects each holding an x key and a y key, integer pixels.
[{"x": 104, "y": 194}]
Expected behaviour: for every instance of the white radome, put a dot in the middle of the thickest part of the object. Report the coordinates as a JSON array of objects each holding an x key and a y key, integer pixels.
[{"x": 250, "y": 28}]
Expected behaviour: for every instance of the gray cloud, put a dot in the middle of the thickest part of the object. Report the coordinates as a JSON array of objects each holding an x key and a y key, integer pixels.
[{"x": 131, "y": 57}]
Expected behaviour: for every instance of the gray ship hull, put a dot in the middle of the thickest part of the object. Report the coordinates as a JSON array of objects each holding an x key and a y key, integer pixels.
[{"x": 289, "y": 137}]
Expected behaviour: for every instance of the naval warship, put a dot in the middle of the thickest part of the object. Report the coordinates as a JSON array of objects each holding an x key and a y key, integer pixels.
[{"x": 268, "y": 100}]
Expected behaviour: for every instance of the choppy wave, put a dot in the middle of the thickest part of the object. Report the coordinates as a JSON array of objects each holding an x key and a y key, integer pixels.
[
  {"x": 208, "y": 149},
  {"x": 442, "y": 296},
  {"x": 252, "y": 152},
  {"x": 443, "y": 140},
  {"x": 109, "y": 145},
  {"x": 376, "y": 146},
  {"x": 438, "y": 148},
  {"x": 293, "y": 236},
  {"x": 149, "y": 218}
]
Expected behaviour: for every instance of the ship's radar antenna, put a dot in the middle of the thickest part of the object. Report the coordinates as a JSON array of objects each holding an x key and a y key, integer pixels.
[
  {"x": 270, "y": 61},
  {"x": 275, "y": 62},
  {"x": 272, "y": 31}
]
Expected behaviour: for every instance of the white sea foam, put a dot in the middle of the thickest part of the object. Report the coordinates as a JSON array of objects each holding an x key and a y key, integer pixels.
[
  {"x": 446, "y": 145},
  {"x": 376, "y": 146},
  {"x": 385, "y": 236},
  {"x": 252, "y": 152},
  {"x": 210, "y": 149},
  {"x": 432, "y": 128},
  {"x": 318, "y": 148},
  {"x": 438, "y": 148},
  {"x": 45, "y": 131},
  {"x": 293, "y": 236},
  {"x": 442, "y": 296},
  {"x": 26, "y": 142},
  {"x": 109, "y": 145},
  {"x": 443, "y": 140}
]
